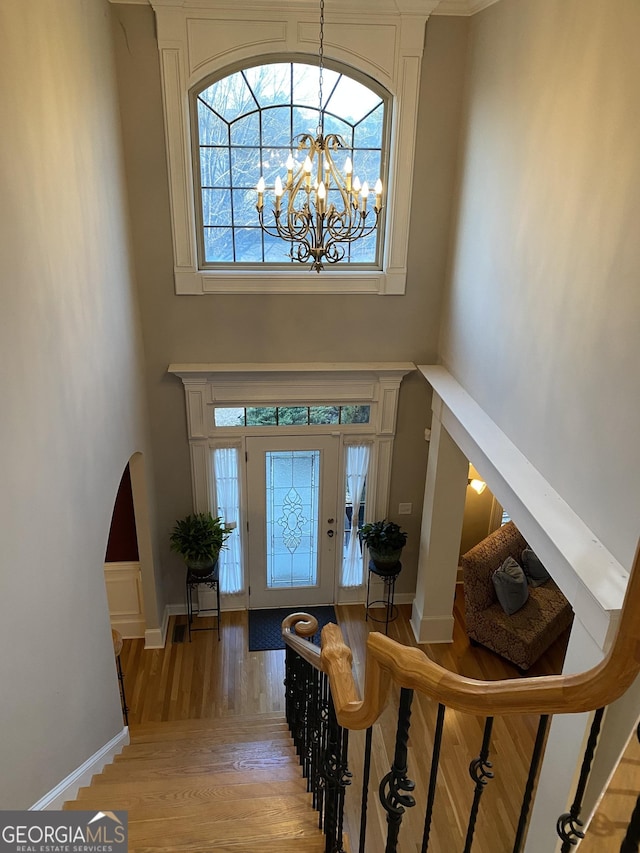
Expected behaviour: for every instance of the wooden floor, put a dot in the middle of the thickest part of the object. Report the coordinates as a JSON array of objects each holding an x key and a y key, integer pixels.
[
  {"x": 609, "y": 825},
  {"x": 210, "y": 679}
]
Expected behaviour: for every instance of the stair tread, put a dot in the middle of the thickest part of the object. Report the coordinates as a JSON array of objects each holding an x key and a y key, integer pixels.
[
  {"x": 268, "y": 823},
  {"x": 225, "y": 734},
  {"x": 213, "y": 723},
  {"x": 237, "y": 755},
  {"x": 262, "y": 811},
  {"x": 204, "y": 748},
  {"x": 130, "y": 795},
  {"x": 212, "y": 775},
  {"x": 285, "y": 845}
]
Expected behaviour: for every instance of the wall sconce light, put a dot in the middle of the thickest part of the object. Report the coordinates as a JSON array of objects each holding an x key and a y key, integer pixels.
[{"x": 478, "y": 486}]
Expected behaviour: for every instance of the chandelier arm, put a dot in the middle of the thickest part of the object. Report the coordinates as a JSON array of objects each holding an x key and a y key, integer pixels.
[
  {"x": 333, "y": 253},
  {"x": 352, "y": 233},
  {"x": 293, "y": 230},
  {"x": 336, "y": 142},
  {"x": 289, "y": 233}
]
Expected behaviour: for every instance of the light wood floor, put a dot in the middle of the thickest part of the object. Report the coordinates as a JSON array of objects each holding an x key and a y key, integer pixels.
[
  {"x": 609, "y": 825},
  {"x": 210, "y": 679}
]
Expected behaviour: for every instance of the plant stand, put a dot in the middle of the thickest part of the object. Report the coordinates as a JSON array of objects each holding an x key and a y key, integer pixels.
[
  {"x": 212, "y": 581},
  {"x": 389, "y": 577}
]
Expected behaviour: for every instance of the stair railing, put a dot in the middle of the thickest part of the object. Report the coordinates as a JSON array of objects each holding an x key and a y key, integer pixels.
[{"x": 323, "y": 704}]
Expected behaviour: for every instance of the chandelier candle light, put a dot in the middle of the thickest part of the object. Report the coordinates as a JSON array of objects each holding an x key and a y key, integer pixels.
[{"x": 317, "y": 230}]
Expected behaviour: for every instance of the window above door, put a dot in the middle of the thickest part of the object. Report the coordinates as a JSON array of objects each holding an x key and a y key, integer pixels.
[
  {"x": 246, "y": 124},
  {"x": 199, "y": 46}
]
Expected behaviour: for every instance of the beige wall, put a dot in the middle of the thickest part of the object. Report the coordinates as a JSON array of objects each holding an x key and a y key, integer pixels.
[
  {"x": 285, "y": 328},
  {"x": 543, "y": 314},
  {"x": 543, "y": 324},
  {"x": 70, "y": 385}
]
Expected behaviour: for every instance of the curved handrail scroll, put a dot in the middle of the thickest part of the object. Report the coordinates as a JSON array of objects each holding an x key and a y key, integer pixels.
[{"x": 295, "y": 627}]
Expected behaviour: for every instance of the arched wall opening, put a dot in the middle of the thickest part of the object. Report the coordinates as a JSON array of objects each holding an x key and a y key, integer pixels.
[{"x": 129, "y": 565}]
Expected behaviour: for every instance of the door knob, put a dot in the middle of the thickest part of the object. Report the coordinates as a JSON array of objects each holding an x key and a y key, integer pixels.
[{"x": 330, "y": 533}]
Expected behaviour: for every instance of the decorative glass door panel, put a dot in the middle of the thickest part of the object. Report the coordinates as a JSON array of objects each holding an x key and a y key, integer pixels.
[
  {"x": 293, "y": 487},
  {"x": 292, "y": 496}
]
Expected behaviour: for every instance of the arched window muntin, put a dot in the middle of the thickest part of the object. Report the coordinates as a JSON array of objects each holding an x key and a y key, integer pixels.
[{"x": 228, "y": 161}]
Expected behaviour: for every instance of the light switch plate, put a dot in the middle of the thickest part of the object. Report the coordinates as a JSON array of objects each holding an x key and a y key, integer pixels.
[{"x": 405, "y": 509}]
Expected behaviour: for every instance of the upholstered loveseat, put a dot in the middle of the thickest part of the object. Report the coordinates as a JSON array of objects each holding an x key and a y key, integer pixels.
[{"x": 525, "y": 635}]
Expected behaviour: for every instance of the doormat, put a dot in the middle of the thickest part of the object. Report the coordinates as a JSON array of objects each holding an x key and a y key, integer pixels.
[{"x": 265, "y": 626}]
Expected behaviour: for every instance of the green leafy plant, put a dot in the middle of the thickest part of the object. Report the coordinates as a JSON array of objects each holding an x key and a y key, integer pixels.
[
  {"x": 198, "y": 538},
  {"x": 383, "y": 537}
]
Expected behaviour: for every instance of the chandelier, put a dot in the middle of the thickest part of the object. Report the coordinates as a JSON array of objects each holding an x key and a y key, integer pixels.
[{"x": 318, "y": 231}]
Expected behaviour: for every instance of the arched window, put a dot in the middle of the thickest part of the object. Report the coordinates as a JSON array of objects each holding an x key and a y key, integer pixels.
[{"x": 246, "y": 123}]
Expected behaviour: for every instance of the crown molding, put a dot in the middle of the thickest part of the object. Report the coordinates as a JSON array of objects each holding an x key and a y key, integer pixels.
[
  {"x": 463, "y": 8},
  {"x": 402, "y": 7}
]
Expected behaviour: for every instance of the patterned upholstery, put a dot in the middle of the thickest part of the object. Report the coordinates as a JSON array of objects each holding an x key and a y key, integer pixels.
[{"x": 523, "y": 637}]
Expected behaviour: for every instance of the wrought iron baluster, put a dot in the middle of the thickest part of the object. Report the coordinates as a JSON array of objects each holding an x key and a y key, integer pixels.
[
  {"x": 314, "y": 723},
  {"x": 366, "y": 772},
  {"x": 393, "y": 801},
  {"x": 433, "y": 777},
  {"x": 288, "y": 685},
  {"x": 343, "y": 780},
  {"x": 536, "y": 758},
  {"x": 300, "y": 707},
  {"x": 569, "y": 823},
  {"x": 480, "y": 772},
  {"x": 322, "y": 748},
  {"x": 336, "y": 778}
]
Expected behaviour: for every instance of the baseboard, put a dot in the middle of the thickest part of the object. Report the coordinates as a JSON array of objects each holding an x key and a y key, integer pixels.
[
  {"x": 155, "y": 638},
  {"x": 431, "y": 629},
  {"x": 68, "y": 788}
]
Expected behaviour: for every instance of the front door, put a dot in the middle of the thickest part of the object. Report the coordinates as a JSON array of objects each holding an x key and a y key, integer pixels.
[{"x": 292, "y": 511}]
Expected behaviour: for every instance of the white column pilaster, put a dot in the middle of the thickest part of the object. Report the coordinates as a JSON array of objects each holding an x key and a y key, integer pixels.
[{"x": 443, "y": 509}]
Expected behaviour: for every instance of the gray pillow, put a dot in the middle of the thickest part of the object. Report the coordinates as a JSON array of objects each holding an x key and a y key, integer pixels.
[
  {"x": 510, "y": 584},
  {"x": 533, "y": 568}
]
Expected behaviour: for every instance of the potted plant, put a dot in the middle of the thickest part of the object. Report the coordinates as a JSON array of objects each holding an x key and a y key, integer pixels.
[
  {"x": 198, "y": 539},
  {"x": 385, "y": 541}
]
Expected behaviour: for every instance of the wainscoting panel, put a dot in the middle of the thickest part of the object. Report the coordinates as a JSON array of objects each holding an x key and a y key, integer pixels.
[{"x": 124, "y": 593}]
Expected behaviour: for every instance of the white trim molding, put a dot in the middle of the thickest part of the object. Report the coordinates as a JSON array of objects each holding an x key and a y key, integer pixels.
[
  {"x": 406, "y": 7},
  {"x": 68, "y": 788},
  {"x": 155, "y": 638},
  {"x": 203, "y": 37},
  {"x": 124, "y": 594},
  {"x": 376, "y": 384},
  {"x": 465, "y": 8}
]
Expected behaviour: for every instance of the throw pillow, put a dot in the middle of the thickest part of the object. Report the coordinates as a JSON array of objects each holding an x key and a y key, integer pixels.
[
  {"x": 510, "y": 584},
  {"x": 533, "y": 568}
]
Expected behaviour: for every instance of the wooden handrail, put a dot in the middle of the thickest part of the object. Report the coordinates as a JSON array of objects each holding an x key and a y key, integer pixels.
[
  {"x": 295, "y": 626},
  {"x": 390, "y": 662}
]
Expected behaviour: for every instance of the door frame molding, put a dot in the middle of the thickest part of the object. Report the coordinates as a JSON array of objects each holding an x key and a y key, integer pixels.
[{"x": 376, "y": 384}]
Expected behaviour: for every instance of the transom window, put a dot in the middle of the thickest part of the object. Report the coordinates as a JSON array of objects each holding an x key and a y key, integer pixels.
[
  {"x": 235, "y": 416},
  {"x": 245, "y": 125}
]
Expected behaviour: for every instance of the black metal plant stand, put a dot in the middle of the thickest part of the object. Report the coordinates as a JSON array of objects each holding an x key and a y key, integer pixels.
[
  {"x": 389, "y": 576},
  {"x": 193, "y": 582}
]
